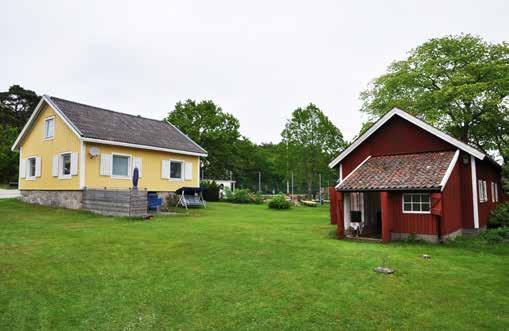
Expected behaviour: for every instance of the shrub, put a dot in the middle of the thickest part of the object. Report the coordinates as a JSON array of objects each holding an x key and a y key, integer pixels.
[
  {"x": 257, "y": 198},
  {"x": 239, "y": 196},
  {"x": 243, "y": 196},
  {"x": 499, "y": 216},
  {"x": 279, "y": 202},
  {"x": 494, "y": 236},
  {"x": 212, "y": 192}
]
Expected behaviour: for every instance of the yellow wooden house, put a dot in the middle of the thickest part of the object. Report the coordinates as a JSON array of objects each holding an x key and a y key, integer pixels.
[{"x": 67, "y": 147}]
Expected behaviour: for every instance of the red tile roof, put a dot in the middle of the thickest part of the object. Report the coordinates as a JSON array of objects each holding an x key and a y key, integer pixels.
[{"x": 399, "y": 172}]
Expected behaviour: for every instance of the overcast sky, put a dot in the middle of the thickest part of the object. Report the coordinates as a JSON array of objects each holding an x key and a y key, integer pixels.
[{"x": 258, "y": 60}]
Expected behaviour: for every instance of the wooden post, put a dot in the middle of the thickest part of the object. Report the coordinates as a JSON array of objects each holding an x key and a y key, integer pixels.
[
  {"x": 340, "y": 231},
  {"x": 333, "y": 206},
  {"x": 385, "y": 206}
]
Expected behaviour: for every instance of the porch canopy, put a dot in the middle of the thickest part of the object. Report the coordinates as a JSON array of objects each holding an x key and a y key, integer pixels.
[{"x": 408, "y": 172}]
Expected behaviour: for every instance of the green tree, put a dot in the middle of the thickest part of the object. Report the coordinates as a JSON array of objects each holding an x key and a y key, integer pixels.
[
  {"x": 457, "y": 83},
  {"x": 311, "y": 141},
  {"x": 16, "y": 106},
  {"x": 211, "y": 128}
]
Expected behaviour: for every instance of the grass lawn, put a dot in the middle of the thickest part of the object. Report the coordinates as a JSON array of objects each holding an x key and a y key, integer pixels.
[{"x": 235, "y": 267}]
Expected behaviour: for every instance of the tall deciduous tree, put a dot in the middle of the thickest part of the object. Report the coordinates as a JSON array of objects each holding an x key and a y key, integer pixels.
[
  {"x": 16, "y": 106},
  {"x": 213, "y": 129},
  {"x": 311, "y": 141},
  {"x": 457, "y": 83}
]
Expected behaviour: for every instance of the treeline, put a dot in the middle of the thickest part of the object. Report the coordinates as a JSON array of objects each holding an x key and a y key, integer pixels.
[{"x": 309, "y": 141}]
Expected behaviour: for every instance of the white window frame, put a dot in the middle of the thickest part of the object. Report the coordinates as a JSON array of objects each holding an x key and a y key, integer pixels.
[
  {"x": 183, "y": 176},
  {"x": 483, "y": 190},
  {"x": 61, "y": 165},
  {"x": 494, "y": 192},
  {"x": 46, "y": 120},
  {"x": 411, "y": 203},
  {"x": 129, "y": 166},
  {"x": 28, "y": 167}
]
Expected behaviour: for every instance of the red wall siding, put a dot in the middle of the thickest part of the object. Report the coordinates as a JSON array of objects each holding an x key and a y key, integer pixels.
[
  {"x": 397, "y": 136},
  {"x": 452, "y": 213},
  {"x": 486, "y": 171},
  {"x": 410, "y": 223},
  {"x": 466, "y": 192}
]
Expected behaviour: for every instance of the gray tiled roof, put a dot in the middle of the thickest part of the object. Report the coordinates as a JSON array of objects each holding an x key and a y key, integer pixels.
[
  {"x": 109, "y": 125},
  {"x": 422, "y": 171}
]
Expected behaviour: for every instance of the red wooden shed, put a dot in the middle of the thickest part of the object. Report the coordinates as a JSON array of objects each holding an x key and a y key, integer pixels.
[{"x": 404, "y": 177}]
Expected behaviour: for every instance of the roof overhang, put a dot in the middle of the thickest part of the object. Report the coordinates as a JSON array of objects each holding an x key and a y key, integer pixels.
[{"x": 414, "y": 120}]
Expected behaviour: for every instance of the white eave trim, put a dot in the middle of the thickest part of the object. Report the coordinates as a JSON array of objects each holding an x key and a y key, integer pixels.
[
  {"x": 185, "y": 135},
  {"x": 449, "y": 170},
  {"x": 354, "y": 170},
  {"x": 412, "y": 119},
  {"x": 36, "y": 111},
  {"x": 117, "y": 143}
]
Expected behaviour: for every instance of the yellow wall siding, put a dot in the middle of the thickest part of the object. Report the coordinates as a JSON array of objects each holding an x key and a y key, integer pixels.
[
  {"x": 34, "y": 144},
  {"x": 151, "y": 169}
]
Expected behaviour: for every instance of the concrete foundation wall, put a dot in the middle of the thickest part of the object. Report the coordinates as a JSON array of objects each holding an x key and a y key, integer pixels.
[{"x": 64, "y": 199}]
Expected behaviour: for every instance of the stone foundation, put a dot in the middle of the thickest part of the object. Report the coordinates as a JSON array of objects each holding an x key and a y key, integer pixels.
[
  {"x": 169, "y": 198},
  {"x": 431, "y": 238},
  {"x": 64, "y": 199}
]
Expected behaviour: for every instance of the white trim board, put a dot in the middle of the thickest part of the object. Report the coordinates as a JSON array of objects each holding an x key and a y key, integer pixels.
[
  {"x": 475, "y": 202},
  {"x": 82, "y": 161},
  {"x": 449, "y": 170},
  {"x": 414, "y": 120},
  {"x": 354, "y": 170},
  {"x": 117, "y": 143}
]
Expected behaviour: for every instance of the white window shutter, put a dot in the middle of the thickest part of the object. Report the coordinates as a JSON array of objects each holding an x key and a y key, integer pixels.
[
  {"x": 74, "y": 163},
  {"x": 22, "y": 168},
  {"x": 54, "y": 166},
  {"x": 137, "y": 164},
  {"x": 105, "y": 167},
  {"x": 38, "y": 166},
  {"x": 165, "y": 169},
  {"x": 188, "y": 172}
]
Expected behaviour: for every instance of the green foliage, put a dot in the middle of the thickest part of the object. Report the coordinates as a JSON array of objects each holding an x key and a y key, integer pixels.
[
  {"x": 311, "y": 141},
  {"x": 214, "y": 130},
  {"x": 243, "y": 196},
  {"x": 9, "y": 160},
  {"x": 16, "y": 106},
  {"x": 499, "y": 217},
  {"x": 212, "y": 192},
  {"x": 279, "y": 202},
  {"x": 494, "y": 236},
  {"x": 457, "y": 83},
  {"x": 239, "y": 196}
]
